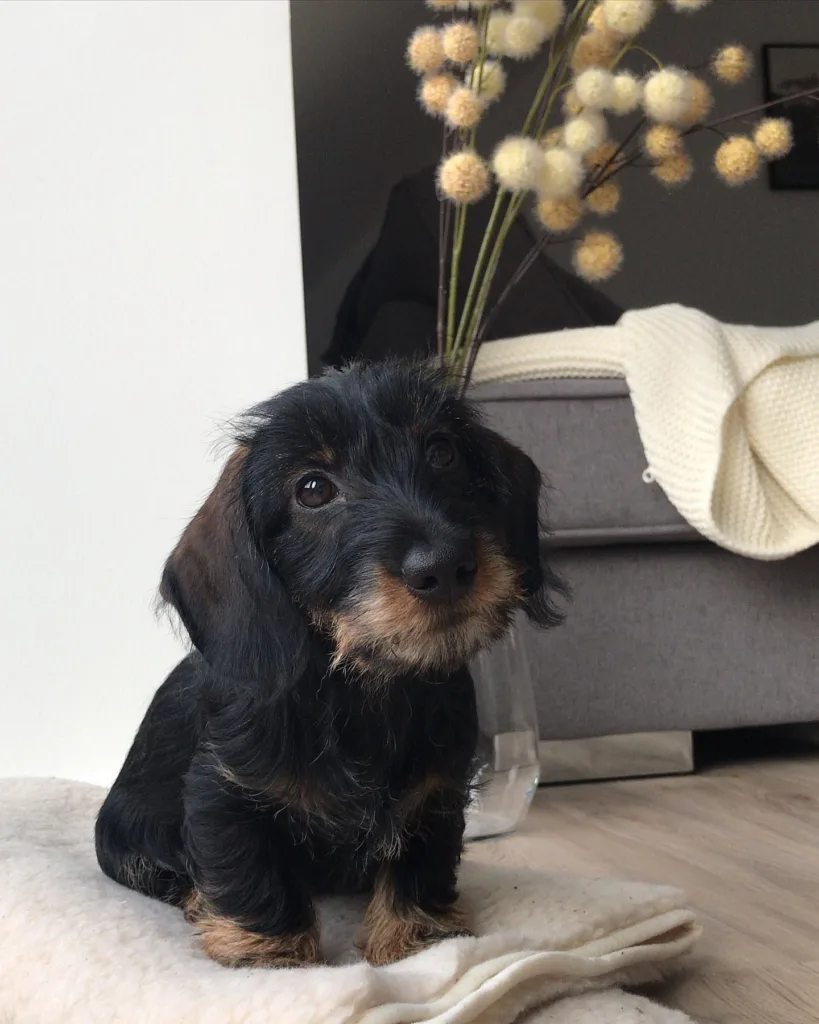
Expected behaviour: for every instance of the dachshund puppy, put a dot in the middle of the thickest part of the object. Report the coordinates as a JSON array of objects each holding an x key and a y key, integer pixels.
[{"x": 367, "y": 536}]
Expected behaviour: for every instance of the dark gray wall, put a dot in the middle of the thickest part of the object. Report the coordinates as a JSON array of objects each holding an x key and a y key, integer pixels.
[{"x": 745, "y": 254}]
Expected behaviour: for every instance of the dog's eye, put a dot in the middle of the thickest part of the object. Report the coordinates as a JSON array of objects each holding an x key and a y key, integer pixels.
[
  {"x": 315, "y": 491},
  {"x": 441, "y": 453}
]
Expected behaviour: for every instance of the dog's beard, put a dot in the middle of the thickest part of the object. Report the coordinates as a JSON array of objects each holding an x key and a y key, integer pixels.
[{"x": 385, "y": 632}]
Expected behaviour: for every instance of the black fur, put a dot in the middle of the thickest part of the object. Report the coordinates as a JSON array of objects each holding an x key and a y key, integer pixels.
[{"x": 267, "y": 770}]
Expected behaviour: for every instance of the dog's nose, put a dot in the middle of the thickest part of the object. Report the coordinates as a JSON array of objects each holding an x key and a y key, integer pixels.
[{"x": 439, "y": 573}]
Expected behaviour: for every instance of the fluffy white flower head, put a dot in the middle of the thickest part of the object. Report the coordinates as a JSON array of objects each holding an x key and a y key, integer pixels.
[
  {"x": 496, "y": 32},
  {"x": 773, "y": 137},
  {"x": 667, "y": 95},
  {"x": 463, "y": 177},
  {"x": 434, "y": 93},
  {"x": 701, "y": 102},
  {"x": 626, "y": 18},
  {"x": 626, "y": 93},
  {"x": 493, "y": 81},
  {"x": 464, "y": 108},
  {"x": 561, "y": 174},
  {"x": 732, "y": 64},
  {"x": 594, "y": 50},
  {"x": 517, "y": 163},
  {"x": 425, "y": 52},
  {"x": 550, "y": 13},
  {"x": 598, "y": 256},
  {"x": 524, "y": 37},
  {"x": 585, "y": 132},
  {"x": 595, "y": 88},
  {"x": 674, "y": 171},
  {"x": 688, "y": 6},
  {"x": 605, "y": 199},
  {"x": 737, "y": 160},
  {"x": 559, "y": 215},
  {"x": 460, "y": 42}
]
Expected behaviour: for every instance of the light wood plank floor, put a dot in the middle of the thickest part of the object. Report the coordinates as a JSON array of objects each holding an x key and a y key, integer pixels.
[{"x": 743, "y": 841}]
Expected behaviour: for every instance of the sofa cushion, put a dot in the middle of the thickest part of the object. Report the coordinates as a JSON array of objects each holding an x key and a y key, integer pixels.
[
  {"x": 583, "y": 437},
  {"x": 672, "y": 637}
]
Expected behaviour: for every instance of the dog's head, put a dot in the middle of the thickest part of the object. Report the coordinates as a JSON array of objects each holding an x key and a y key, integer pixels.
[{"x": 371, "y": 508}]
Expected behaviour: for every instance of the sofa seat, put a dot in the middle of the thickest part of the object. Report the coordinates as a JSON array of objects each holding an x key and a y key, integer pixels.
[{"x": 665, "y": 631}]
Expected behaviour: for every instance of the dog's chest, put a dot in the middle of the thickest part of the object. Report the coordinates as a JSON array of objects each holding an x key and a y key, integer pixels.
[
  {"x": 350, "y": 831},
  {"x": 353, "y": 799},
  {"x": 368, "y": 770}
]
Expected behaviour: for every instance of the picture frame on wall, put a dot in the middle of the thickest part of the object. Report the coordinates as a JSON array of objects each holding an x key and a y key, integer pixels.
[{"x": 791, "y": 68}]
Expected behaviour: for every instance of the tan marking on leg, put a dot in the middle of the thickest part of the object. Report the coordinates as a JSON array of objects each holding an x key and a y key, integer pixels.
[
  {"x": 193, "y": 906},
  {"x": 411, "y": 802},
  {"x": 231, "y": 945},
  {"x": 298, "y": 794},
  {"x": 392, "y": 932}
]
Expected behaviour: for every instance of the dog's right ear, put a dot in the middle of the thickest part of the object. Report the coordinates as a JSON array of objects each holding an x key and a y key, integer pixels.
[
  {"x": 234, "y": 608},
  {"x": 518, "y": 486}
]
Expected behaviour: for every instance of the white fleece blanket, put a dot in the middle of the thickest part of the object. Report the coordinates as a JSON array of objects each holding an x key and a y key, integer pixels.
[
  {"x": 75, "y": 948},
  {"x": 728, "y": 415}
]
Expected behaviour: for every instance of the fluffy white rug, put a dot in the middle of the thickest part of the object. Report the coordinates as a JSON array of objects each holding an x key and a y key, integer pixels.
[{"x": 76, "y": 949}]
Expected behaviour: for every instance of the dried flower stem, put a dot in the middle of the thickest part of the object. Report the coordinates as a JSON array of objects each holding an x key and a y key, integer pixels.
[
  {"x": 455, "y": 263},
  {"x": 475, "y": 76},
  {"x": 500, "y": 196},
  {"x": 631, "y": 161},
  {"x": 444, "y": 227},
  {"x": 486, "y": 264},
  {"x": 633, "y": 48},
  {"x": 624, "y": 51},
  {"x": 559, "y": 64},
  {"x": 582, "y": 7},
  {"x": 614, "y": 159},
  {"x": 521, "y": 271},
  {"x": 556, "y": 71},
  {"x": 753, "y": 110},
  {"x": 473, "y": 333},
  {"x": 561, "y": 67}
]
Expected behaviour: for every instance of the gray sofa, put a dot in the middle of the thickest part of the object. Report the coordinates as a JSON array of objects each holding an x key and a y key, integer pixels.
[{"x": 665, "y": 631}]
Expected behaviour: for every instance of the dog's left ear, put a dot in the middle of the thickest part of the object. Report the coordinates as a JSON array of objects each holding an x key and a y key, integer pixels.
[
  {"x": 234, "y": 608},
  {"x": 518, "y": 485}
]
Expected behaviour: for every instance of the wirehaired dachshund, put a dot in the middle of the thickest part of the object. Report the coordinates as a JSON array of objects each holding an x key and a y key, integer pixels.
[{"x": 368, "y": 535}]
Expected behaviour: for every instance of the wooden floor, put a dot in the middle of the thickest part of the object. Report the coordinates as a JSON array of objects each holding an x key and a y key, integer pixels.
[{"x": 742, "y": 840}]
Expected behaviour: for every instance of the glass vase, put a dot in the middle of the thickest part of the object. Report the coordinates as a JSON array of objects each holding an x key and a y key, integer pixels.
[{"x": 508, "y": 769}]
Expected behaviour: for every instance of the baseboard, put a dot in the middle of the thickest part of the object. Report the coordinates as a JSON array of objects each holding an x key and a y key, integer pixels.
[{"x": 615, "y": 757}]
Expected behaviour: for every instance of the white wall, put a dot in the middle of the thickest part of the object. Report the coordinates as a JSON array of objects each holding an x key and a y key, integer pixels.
[{"x": 150, "y": 286}]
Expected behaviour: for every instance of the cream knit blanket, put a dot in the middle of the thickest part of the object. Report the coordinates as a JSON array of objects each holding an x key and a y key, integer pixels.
[
  {"x": 75, "y": 948},
  {"x": 728, "y": 415}
]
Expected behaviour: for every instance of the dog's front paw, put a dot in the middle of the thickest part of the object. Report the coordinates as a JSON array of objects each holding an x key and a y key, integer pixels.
[
  {"x": 391, "y": 936},
  {"x": 231, "y": 945}
]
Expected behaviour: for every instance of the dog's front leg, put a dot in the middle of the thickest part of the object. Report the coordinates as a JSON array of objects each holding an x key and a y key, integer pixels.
[
  {"x": 415, "y": 900},
  {"x": 249, "y": 905}
]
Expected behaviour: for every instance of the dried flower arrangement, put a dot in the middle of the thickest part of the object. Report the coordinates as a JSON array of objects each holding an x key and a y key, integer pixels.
[{"x": 567, "y": 154}]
